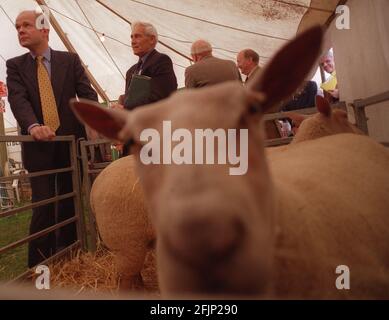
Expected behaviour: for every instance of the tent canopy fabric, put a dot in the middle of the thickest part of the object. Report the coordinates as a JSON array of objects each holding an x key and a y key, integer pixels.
[{"x": 229, "y": 25}]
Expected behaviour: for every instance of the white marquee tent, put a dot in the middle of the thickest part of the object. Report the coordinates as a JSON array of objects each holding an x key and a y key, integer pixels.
[{"x": 230, "y": 25}]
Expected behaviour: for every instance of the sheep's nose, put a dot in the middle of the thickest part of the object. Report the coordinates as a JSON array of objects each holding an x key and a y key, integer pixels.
[{"x": 206, "y": 240}]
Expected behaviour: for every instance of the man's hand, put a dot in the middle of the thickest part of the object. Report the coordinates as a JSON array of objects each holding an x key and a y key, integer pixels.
[
  {"x": 334, "y": 93},
  {"x": 3, "y": 89},
  {"x": 117, "y": 106},
  {"x": 42, "y": 133}
]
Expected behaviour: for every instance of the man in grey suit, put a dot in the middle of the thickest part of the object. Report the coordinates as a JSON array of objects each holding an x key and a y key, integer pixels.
[{"x": 207, "y": 69}]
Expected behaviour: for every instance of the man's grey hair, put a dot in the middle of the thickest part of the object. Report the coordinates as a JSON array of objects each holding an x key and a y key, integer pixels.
[
  {"x": 150, "y": 30},
  {"x": 328, "y": 54},
  {"x": 201, "y": 46}
]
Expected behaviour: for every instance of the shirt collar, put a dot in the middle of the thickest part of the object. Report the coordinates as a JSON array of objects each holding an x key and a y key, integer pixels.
[
  {"x": 143, "y": 59},
  {"x": 46, "y": 54}
]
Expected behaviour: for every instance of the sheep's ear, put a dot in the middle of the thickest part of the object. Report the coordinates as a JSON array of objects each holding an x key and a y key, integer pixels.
[
  {"x": 106, "y": 121},
  {"x": 323, "y": 106},
  {"x": 287, "y": 70}
]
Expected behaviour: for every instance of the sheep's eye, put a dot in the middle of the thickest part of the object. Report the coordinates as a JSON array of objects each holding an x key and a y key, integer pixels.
[
  {"x": 255, "y": 108},
  {"x": 255, "y": 102},
  {"x": 130, "y": 143}
]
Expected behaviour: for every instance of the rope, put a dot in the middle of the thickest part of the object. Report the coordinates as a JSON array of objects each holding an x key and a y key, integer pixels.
[
  {"x": 211, "y": 22},
  {"x": 105, "y": 48}
]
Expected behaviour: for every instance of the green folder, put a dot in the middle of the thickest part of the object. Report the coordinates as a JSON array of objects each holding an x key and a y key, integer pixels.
[{"x": 138, "y": 91}]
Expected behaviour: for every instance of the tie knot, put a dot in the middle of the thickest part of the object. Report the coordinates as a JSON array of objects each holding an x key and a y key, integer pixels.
[{"x": 39, "y": 58}]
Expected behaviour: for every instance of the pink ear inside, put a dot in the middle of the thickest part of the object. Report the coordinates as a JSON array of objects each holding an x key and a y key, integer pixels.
[
  {"x": 323, "y": 106},
  {"x": 98, "y": 118}
]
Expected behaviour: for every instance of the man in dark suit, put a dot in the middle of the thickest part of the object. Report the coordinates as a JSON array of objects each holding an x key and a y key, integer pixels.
[
  {"x": 156, "y": 65},
  {"x": 153, "y": 64},
  {"x": 207, "y": 69},
  {"x": 302, "y": 98},
  {"x": 40, "y": 85}
]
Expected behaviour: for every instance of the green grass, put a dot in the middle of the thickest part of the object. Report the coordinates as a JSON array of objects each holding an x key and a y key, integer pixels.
[{"x": 13, "y": 228}]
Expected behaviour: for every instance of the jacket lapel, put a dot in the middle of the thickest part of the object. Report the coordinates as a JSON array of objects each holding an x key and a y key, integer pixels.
[
  {"x": 58, "y": 74},
  {"x": 149, "y": 61},
  {"x": 30, "y": 72}
]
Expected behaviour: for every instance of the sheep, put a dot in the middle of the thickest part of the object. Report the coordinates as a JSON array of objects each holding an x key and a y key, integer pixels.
[
  {"x": 122, "y": 219},
  {"x": 121, "y": 213},
  {"x": 325, "y": 122},
  {"x": 283, "y": 228},
  {"x": 110, "y": 194}
]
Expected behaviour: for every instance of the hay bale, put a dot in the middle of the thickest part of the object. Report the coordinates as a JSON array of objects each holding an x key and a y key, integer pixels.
[
  {"x": 97, "y": 272},
  {"x": 149, "y": 272}
]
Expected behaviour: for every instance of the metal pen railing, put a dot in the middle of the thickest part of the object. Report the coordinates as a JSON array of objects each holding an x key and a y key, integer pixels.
[
  {"x": 75, "y": 195},
  {"x": 91, "y": 169},
  {"x": 359, "y": 106}
]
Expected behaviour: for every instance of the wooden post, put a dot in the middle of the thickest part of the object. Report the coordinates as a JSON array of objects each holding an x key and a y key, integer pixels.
[
  {"x": 87, "y": 189},
  {"x": 80, "y": 225},
  {"x": 3, "y": 145},
  {"x": 360, "y": 116}
]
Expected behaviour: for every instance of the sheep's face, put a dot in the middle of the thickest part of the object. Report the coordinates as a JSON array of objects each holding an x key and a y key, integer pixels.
[
  {"x": 210, "y": 216},
  {"x": 324, "y": 123}
]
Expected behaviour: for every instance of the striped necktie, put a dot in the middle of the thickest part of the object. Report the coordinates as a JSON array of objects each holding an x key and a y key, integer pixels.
[
  {"x": 48, "y": 104},
  {"x": 139, "y": 66}
]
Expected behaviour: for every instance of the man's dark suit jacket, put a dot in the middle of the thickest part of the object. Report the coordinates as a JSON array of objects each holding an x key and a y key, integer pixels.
[
  {"x": 304, "y": 99},
  {"x": 68, "y": 80},
  {"x": 159, "y": 68}
]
